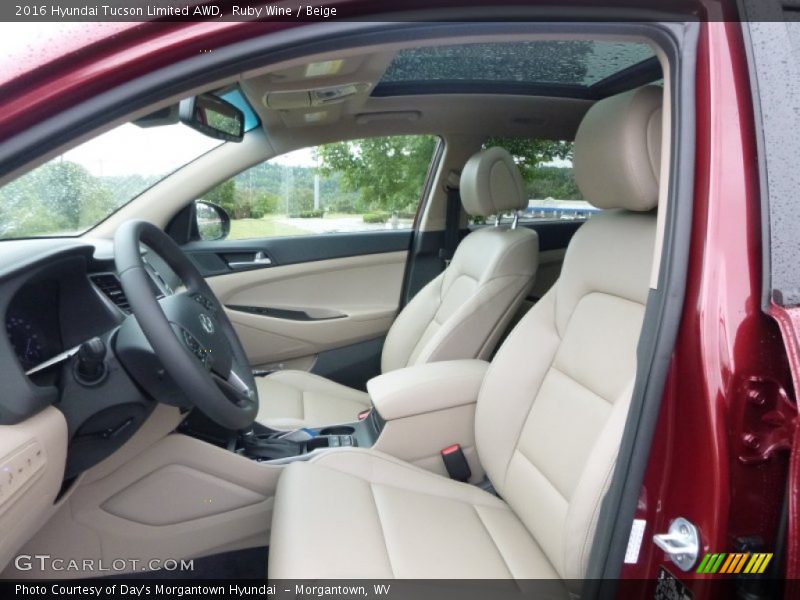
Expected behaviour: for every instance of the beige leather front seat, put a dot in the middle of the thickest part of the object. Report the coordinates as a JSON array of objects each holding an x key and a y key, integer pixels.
[
  {"x": 549, "y": 417},
  {"x": 460, "y": 314}
]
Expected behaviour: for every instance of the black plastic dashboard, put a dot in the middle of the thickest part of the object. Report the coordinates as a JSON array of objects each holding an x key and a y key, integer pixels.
[
  {"x": 32, "y": 323},
  {"x": 56, "y": 294}
]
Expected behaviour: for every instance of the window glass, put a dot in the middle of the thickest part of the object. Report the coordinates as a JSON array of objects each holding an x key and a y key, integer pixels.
[
  {"x": 372, "y": 184},
  {"x": 575, "y": 62},
  {"x": 546, "y": 167},
  {"x": 72, "y": 193}
]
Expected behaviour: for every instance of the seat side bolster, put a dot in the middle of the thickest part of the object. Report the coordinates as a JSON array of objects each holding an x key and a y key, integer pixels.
[{"x": 410, "y": 325}]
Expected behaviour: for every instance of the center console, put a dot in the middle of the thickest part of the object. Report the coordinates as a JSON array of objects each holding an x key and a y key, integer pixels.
[
  {"x": 263, "y": 444},
  {"x": 418, "y": 412}
]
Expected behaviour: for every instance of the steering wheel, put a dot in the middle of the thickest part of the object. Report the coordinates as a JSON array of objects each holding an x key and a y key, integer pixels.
[{"x": 189, "y": 332}]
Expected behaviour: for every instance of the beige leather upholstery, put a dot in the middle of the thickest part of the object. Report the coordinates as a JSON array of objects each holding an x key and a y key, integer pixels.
[
  {"x": 292, "y": 399},
  {"x": 426, "y": 388},
  {"x": 619, "y": 162},
  {"x": 548, "y": 423},
  {"x": 460, "y": 314},
  {"x": 463, "y": 312},
  {"x": 491, "y": 184},
  {"x": 373, "y": 516}
]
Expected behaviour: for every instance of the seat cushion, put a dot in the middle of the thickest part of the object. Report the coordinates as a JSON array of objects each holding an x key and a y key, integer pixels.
[
  {"x": 356, "y": 513},
  {"x": 292, "y": 399}
]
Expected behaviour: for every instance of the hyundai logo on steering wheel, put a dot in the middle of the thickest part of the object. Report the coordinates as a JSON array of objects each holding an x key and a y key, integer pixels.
[{"x": 207, "y": 323}]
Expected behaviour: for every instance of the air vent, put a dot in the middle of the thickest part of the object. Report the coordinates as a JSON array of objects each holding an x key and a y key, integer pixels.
[{"x": 109, "y": 284}]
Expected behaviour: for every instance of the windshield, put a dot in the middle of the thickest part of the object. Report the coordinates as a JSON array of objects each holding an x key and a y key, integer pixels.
[{"x": 73, "y": 192}]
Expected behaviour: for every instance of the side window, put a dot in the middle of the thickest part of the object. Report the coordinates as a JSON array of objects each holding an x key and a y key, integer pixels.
[
  {"x": 360, "y": 185},
  {"x": 546, "y": 167}
]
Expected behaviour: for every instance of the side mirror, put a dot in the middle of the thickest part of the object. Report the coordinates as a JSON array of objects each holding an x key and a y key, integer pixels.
[
  {"x": 214, "y": 117},
  {"x": 213, "y": 222}
]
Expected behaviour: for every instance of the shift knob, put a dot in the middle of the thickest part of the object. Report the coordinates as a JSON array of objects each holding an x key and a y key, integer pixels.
[{"x": 91, "y": 360}]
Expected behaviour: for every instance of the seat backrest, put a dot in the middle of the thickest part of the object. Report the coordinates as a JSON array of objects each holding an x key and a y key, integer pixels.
[
  {"x": 555, "y": 399},
  {"x": 462, "y": 313}
]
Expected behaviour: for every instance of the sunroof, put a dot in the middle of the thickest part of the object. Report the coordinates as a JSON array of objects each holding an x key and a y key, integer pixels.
[{"x": 571, "y": 63}]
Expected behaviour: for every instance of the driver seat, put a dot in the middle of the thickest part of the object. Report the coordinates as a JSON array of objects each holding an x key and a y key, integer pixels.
[{"x": 549, "y": 416}]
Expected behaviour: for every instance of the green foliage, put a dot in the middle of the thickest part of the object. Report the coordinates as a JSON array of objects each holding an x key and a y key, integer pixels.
[
  {"x": 58, "y": 197},
  {"x": 554, "y": 182},
  {"x": 316, "y": 213},
  {"x": 302, "y": 200},
  {"x": 224, "y": 195},
  {"x": 387, "y": 172},
  {"x": 542, "y": 181},
  {"x": 263, "y": 203},
  {"x": 376, "y": 217},
  {"x": 530, "y": 153}
]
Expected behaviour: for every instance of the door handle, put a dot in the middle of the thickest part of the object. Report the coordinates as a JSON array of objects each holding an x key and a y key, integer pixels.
[{"x": 260, "y": 259}]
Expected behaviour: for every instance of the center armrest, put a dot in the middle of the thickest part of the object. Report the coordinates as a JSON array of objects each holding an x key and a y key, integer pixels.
[{"x": 426, "y": 388}]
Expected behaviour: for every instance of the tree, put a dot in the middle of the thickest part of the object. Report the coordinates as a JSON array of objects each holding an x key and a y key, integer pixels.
[
  {"x": 59, "y": 196},
  {"x": 387, "y": 172},
  {"x": 223, "y": 195},
  {"x": 529, "y": 154}
]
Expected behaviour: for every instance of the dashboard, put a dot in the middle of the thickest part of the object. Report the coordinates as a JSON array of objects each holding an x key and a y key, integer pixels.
[
  {"x": 32, "y": 324},
  {"x": 56, "y": 294}
]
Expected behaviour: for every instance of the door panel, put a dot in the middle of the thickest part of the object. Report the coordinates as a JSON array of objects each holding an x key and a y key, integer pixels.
[
  {"x": 313, "y": 306},
  {"x": 214, "y": 258}
]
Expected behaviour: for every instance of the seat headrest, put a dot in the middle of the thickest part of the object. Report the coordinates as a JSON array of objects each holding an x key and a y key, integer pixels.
[
  {"x": 492, "y": 184},
  {"x": 617, "y": 152}
]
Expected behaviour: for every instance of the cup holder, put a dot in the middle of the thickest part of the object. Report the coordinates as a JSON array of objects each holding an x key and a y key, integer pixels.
[
  {"x": 338, "y": 430},
  {"x": 317, "y": 442}
]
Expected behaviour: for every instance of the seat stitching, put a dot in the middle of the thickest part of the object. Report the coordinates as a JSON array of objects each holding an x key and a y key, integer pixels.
[
  {"x": 508, "y": 250},
  {"x": 530, "y": 407},
  {"x": 589, "y": 537},
  {"x": 542, "y": 473},
  {"x": 556, "y": 290},
  {"x": 453, "y": 327},
  {"x": 581, "y": 384},
  {"x": 494, "y": 543},
  {"x": 402, "y": 465},
  {"x": 383, "y": 531}
]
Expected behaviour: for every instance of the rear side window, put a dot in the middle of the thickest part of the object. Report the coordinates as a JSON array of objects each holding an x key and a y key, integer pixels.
[
  {"x": 372, "y": 184},
  {"x": 546, "y": 167}
]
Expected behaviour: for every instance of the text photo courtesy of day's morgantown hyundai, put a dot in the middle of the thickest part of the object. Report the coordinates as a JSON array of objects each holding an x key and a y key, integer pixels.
[{"x": 400, "y": 299}]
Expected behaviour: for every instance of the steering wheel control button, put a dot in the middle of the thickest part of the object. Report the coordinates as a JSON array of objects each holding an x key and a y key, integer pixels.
[
  {"x": 205, "y": 302},
  {"x": 196, "y": 348}
]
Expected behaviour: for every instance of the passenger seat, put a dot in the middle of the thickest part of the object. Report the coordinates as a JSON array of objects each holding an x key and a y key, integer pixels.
[{"x": 460, "y": 314}]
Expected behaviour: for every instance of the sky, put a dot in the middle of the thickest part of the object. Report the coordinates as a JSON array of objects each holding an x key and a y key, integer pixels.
[{"x": 130, "y": 149}]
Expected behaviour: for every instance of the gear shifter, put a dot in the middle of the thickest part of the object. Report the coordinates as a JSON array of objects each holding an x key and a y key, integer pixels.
[{"x": 91, "y": 367}]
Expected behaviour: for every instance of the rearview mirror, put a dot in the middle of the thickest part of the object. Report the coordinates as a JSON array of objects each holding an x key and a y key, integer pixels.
[{"x": 214, "y": 117}]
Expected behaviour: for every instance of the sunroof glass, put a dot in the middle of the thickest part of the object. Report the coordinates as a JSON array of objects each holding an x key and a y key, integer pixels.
[{"x": 556, "y": 62}]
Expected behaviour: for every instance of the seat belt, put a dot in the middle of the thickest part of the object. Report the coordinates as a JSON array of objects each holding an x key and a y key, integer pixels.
[{"x": 452, "y": 220}]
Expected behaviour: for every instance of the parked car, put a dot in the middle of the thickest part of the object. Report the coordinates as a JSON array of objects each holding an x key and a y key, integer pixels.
[{"x": 277, "y": 304}]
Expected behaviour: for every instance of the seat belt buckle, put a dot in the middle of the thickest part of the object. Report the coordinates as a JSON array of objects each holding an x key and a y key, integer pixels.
[{"x": 456, "y": 463}]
